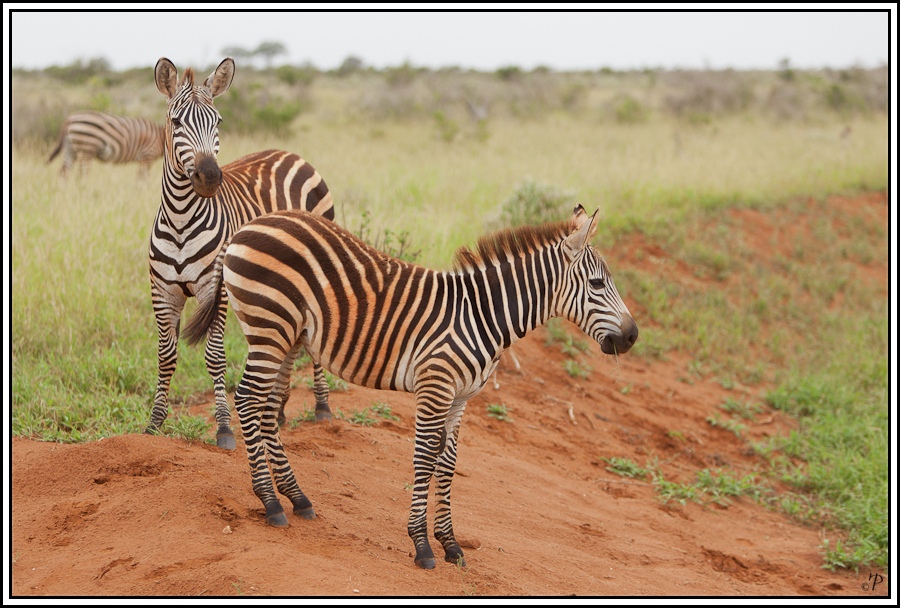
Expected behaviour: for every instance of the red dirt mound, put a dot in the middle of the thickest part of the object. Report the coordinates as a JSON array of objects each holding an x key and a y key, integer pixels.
[{"x": 535, "y": 509}]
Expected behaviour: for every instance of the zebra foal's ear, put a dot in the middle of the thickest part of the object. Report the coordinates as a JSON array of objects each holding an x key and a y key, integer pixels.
[
  {"x": 584, "y": 228},
  {"x": 219, "y": 81},
  {"x": 166, "y": 76}
]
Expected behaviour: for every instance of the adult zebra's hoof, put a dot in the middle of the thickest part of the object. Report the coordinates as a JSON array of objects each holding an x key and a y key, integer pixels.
[
  {"x": 225, "y": 439},
  {"x": 323, "y": 414},
  {"x": 306, "y": 513}
]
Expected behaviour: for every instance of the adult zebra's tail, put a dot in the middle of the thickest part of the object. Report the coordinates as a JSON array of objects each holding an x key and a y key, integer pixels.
[
  {"x": 209, "y": 300},
  {"x": 59, "y": 143}
]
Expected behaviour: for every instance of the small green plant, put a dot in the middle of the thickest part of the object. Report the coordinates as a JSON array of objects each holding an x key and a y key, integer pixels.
[
  {"x": 383, "y": 410},
  {"x": 306, "y": 415},
  {"x": 499, "y": 411},
  {"x": 626, "y": 468},
  {"x": 732, "y": 424},
  {"x": 395, "y": 244},
  {"x": 576, "y": 369},
  {"x": 370, "y": 415},
  {"x": 362, "y": 418},
  {"x": 745, "y": 409},
  {"x": 573, "y": 347},
  {"x": 447, "y": 128},
  {"x": 669, "y": 490},
  {"x": 190, "y": 428},
  {"x": 630, "y": 111}
]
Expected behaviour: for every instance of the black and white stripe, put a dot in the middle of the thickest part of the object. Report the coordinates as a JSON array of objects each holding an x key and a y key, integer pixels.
[
  {"x": 109, "y": 138},
  {"x": 202, "y": 205},
  {"x": 296, "y": 281}
]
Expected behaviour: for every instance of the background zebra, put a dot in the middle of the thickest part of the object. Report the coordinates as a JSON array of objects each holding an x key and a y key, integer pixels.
[
  {"x": 201, "y": 207},
  {"x": 110, "y": 138},
  {"x": 296, "y": 281}
]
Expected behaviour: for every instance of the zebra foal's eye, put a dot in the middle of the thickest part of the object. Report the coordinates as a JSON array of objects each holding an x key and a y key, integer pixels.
[
  {"x": 176, "y": 121},
  {"x": 597, "y": 283}
]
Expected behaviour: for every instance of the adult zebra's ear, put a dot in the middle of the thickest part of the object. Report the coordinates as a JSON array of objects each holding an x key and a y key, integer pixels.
[
  {"x": 584, "y": 228},
  {"x": 166, "y": 76},
  {"x": 219, "y": 81}
]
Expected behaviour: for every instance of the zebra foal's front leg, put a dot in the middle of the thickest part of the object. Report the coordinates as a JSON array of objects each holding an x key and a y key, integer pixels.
[
  {"x": 443, "y": 478},
  {"x": 433, "y": 401},
  {"x": 320, "y": 390},
  {"x": 167, "y": 307}
]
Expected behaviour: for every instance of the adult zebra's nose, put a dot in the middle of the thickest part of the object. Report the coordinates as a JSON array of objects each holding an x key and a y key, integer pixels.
[
  {"x": 207, "y": 176},
  {"x": 621, "y": 342}
]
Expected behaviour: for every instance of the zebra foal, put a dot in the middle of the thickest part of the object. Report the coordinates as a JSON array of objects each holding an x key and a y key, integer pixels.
[
  {"x": 113, "y": 139},
  {"x": 201, "y": 206},
  {"x": 296, "y": 281}
]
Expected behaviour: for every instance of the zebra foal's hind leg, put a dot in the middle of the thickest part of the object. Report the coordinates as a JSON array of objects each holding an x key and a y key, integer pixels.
[
  {"x": 256, "y": 401},
  {"x": 215, "y": 365}
]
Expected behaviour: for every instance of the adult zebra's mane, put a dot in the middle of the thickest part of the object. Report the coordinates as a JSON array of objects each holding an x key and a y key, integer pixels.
[{"x": 509, "y": 243}]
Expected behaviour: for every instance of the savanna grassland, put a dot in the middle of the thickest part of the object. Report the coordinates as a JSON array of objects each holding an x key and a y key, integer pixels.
[{"x": 421, "y": 162}]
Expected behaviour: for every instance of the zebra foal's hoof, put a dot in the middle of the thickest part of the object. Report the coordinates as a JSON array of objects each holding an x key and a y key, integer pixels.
[
  {"x": 306, "y": 513},
  {"x": 275, "y": 516}
]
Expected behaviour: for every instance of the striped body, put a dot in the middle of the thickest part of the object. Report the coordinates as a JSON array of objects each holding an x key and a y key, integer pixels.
[
  {"x": 296, "y": 281},
  {"x": 113, "y": 139},
  {"x": 201, "y": 206}
]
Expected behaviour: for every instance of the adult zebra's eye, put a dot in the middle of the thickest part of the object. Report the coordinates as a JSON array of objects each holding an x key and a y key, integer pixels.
[
  {"x": 176, "y": 122},
  {"x": 597, "y": 283}
]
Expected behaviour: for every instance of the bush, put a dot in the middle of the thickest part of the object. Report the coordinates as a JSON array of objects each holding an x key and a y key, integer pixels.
[{"x": 535, "y": 203}]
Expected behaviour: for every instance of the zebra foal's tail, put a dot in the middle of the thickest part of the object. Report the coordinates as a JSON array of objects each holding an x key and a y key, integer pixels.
[{"x": 209, "y": 300}]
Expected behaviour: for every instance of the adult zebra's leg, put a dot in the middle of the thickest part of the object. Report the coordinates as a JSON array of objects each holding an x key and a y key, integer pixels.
[
  {"x": 215, "y": 365},
  {"x": 443, "y": 478},
  {"x": 433, "y": 399},
  {"x": 167, "y": 306},
  {"x": 285, "y": 481}
]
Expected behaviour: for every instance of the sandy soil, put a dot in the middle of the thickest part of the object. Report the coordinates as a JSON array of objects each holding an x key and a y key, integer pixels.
[{"x": 535, "y": 509}]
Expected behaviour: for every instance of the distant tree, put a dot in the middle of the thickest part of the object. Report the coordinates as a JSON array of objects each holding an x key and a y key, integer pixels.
[
  {"x": 349, "y": 65},
  {"x": 268, "y": 51},
  {"x": 239, "y": 53}
]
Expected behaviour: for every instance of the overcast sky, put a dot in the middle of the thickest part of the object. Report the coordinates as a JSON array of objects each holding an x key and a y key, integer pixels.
[{"x": 556, "y": 39}]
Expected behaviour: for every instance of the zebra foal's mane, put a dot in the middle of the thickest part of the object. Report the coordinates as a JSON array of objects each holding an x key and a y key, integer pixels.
[
  {"x": 509, "y": 243},
  {"x": 187, "y": 79}
]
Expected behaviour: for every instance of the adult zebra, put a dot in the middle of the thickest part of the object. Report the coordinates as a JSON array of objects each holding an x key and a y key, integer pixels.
[
  {"x": 113, "y": 139},
  {"x": 201, "y": 207},
  {"x": 296, "y": 281}
]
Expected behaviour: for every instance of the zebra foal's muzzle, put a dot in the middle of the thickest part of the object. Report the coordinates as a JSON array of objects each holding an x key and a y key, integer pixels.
[
  {"x": 621, "y": 342},
  {"x": 207, "y": 176}
]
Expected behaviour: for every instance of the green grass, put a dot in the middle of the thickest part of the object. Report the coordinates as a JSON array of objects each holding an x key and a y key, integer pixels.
[
  {"x": 626, "y": 468},
  {"x": 499, "y": 411},
  {"x": 83, "y": 336}
]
